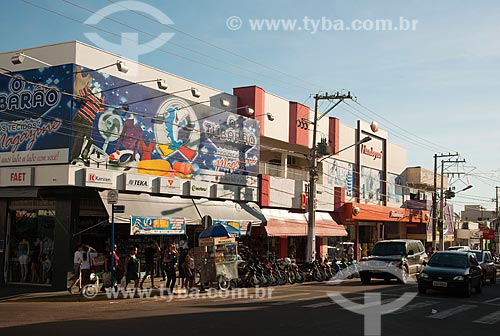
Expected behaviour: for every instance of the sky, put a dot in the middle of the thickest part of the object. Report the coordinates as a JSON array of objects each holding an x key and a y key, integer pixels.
[{"x": 433, "y": 88}]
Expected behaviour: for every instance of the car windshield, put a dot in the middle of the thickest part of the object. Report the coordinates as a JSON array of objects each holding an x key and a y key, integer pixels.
[
  {"x": 455, "y": 260},
  {"x": 387, "y": 249}
]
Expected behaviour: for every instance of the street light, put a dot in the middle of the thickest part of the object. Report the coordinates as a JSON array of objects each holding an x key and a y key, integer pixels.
[{"x": 19, "y": 57}]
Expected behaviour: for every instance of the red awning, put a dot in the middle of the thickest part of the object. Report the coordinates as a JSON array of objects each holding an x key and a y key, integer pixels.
[{"x": 281, "y": 223}]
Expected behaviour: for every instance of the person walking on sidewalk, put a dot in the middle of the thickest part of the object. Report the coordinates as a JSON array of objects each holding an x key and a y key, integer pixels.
[
  {"x": 150, "y": 253},
  {"x": 131, "y": 272},
  {"x": 169, "y": 259}
]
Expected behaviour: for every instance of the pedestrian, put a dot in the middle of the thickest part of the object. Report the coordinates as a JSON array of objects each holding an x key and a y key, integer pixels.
[
  {"x": 169, "y": 259},
  {"x": 114, "y": 273},
  {"x": 163, "y": 250},
  {"x": 150, "y": 253},
  {"x": 88, "y": 254},
  {"x": 189, "y": 270},
  {"x": 350, "y": 252},
  {"x": 131, "y": 272},
  {"x": 181, "y": 266},
  {"x": 77, "y": 262}
]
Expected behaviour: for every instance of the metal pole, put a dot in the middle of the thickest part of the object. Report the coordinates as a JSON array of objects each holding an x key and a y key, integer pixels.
[
  {"x": 113, "y": 270},
  {"x": 311, "y": 228},
  {"x": 441, "y": 211},
  {"x": 434, "y": 204}
]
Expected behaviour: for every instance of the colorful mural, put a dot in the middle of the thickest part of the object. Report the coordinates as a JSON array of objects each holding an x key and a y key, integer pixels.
[
  {"x": 125, "y": 126},
  {"x": 371, "y": 185},
  {"x": 72, "y": 114},
  {"x": 35, "y": 110},
  {"x": 341, "y": 174}
]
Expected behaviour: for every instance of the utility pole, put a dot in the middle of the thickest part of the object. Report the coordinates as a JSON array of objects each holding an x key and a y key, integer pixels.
[
  {"x": 497, "y": 224},
  {"x": 441, "y": 201},
  {"x": 313, "y": 171},
  {"x": 434, "y": 197}
]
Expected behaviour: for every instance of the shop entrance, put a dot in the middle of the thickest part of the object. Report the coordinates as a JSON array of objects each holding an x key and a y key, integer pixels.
[{"x": 30, "y": 242}]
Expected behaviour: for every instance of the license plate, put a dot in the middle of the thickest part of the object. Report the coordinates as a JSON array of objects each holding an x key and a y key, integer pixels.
[{"x": 439, "y": 283}]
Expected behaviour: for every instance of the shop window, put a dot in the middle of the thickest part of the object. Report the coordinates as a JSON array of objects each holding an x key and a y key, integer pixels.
[{"x": 31, "y": 246}]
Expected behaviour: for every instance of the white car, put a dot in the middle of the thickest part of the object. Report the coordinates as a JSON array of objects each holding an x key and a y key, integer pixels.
[{"x": 458, "y": 248}]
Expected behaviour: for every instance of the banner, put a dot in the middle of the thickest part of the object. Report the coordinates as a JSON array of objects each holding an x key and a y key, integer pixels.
[
  {"x": 143, "y": 225},
  {"x": 241, "y": 228}
]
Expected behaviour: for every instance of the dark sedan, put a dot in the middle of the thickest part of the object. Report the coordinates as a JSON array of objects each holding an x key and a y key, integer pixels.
[{"x": 451, "y": 270}]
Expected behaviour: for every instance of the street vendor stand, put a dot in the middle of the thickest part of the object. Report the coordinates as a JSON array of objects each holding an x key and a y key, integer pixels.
[{"x": 216, "y": 257}]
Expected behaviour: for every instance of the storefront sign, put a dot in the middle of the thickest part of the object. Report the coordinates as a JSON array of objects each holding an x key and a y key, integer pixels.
[
  {"x": 199, "y": 188},
  {"x": 371, "y": 152},
  {"x": 16, "y": 176},
  {"x": 136, "y": 182},
  {"x": 170, "y": 186},
  {"x": 142, "y": 225},
  {"x": 395, "y": 214},
  {"x": 99, "y": 178}
]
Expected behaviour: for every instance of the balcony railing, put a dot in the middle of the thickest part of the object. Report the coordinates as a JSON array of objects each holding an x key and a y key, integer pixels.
[{"x": 279, "y": 171}]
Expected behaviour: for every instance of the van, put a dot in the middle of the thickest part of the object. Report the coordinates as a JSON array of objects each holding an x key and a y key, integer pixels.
[{"x": 393, "y": 259}]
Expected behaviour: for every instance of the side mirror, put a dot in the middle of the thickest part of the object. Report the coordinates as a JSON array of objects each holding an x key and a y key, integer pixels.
[{"x": 411, "y": 252}]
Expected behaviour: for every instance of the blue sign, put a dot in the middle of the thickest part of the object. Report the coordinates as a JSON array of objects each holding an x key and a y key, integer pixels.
[{"x": 143, "y": 225}]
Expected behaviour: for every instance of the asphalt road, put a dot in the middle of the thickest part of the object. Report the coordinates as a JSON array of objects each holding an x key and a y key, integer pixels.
[{"x": 294, "y": 310}]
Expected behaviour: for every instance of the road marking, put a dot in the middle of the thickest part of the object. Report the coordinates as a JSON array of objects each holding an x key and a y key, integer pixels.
[
  {"x": 450, "y": 312},
  {"x": 282, "y": 303},
  {"x": 417, "y": 305},
  {"x": 319, "y": 305},
  {"x": 492, "y": 300},
  {"x": 489, "y": 319}
]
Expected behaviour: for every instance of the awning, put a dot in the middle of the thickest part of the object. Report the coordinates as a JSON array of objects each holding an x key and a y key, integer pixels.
[
  {"x": 147, "y": 205},
  {"x": 231, "y": 211},
  {"x": 282, "y": 223},
  {"x": 19, "y": 192}
]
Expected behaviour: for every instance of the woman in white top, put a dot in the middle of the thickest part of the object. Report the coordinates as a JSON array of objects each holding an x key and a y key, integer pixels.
[{"x": 88, "y": 254}]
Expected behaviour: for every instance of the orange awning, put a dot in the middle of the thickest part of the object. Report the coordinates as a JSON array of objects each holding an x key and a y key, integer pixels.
[{"x": 281, "y": 223}]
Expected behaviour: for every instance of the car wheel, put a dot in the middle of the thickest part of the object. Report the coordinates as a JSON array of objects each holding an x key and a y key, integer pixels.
[
  {"x": 365, "y": 279},
  {"x": 422, "y": 290},
  {"x": 468, "y": 289},
  {"x": 479, "y": 287}
]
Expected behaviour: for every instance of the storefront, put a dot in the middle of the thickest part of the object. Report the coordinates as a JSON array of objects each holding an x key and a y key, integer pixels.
[
  {"x": 368, "y": 223},
  {"x": 285, "y": 233}
]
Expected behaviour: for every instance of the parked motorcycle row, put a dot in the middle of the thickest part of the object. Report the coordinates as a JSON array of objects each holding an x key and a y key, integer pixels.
[{"x": 253, "y": 273}]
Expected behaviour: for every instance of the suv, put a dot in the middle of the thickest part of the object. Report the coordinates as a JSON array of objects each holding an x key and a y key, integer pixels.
[{"x": 390, "y": 259}]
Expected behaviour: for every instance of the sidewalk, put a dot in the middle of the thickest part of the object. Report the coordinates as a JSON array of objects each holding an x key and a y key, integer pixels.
[{"x": 38, "y": 293}]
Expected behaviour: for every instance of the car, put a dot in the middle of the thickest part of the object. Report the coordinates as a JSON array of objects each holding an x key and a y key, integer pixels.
[
  {"x": 458, "y": 248},
  {"x": 451, "y": 271},
  {"x": 485, "y": 260},
  {"x": 396, "y": 258}
]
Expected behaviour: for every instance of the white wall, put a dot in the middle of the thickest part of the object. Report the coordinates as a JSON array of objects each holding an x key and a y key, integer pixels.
[
  {"x": 93, "y": 58},
  {"x": 280, "y": 109}
]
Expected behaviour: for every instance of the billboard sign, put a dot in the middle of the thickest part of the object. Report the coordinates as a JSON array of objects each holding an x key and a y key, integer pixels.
[
  {"x": 144, "y": 225},
  {"x": 35, "y": 109},
  {"x": 134, "y": 128}
]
